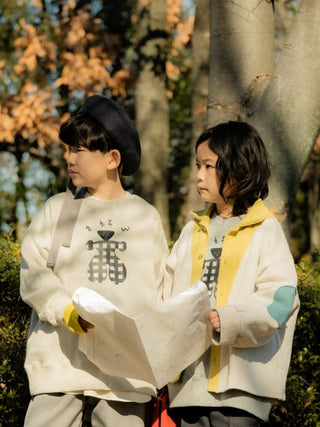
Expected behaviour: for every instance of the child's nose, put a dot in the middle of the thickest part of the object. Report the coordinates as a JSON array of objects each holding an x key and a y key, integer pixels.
[
  {"x": 69, "y": 156},
  {"x": 199, "y": 174}
]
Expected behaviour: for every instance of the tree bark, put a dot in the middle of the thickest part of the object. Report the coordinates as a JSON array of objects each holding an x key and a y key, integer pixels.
[
  {"x": 152, "y": 110},
  {"x": 312, "y": 173},
  {"x": 241, "y": 57},
  {"x": 282, "y": 101},
  {"x": 200, "y": 79},
  {"x": 288, "y": 115}
]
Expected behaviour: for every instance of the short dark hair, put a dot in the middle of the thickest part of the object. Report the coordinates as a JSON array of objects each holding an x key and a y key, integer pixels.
[
  {"x": 242, "y": 162},
  {"x": 84, "y": 131}
]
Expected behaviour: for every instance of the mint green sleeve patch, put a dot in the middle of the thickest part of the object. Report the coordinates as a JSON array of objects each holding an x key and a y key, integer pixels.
[{"x": 282, "y": 304}]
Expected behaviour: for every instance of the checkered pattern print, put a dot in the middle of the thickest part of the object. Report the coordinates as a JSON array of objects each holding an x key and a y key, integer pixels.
[{"x": 106, "y": 257}]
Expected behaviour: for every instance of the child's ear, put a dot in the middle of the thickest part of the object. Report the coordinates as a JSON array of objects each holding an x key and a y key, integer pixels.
[{"x": 114, "y": 159}]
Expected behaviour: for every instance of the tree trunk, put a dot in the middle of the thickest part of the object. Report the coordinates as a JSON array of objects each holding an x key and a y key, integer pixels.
[
  {"x": 313, "y": 194},
  {"x": 241, "y": 57},
  {"x": 200, "y": 73},
  {"x": 282, "y": 102},
  {"x": 152, "y": 111},
  {"x": 288, "y": 115}
]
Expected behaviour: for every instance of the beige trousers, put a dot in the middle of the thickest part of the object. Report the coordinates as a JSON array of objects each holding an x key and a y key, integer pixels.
[{"x": 67, "y": 410}]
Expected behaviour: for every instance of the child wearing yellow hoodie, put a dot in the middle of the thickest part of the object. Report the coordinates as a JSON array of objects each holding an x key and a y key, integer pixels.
[{"x": 239, "y": 250}]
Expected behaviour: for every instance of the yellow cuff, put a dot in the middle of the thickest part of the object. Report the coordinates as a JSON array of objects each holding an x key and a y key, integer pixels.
[
  {"x": 71, "y": 319},
  {"x": 176, "y": 378}
]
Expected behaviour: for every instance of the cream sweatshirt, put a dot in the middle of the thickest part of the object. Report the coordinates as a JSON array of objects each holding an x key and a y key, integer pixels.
[{"x": 118, "y": 249}]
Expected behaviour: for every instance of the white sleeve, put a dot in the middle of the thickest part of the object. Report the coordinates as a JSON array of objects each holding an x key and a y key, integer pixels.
[
  {"x": 40, "y": 288},
  {"x": 160, "y": 254},
  {"x": 253, "y": 321},
  {"x": 179, "y": 265}
]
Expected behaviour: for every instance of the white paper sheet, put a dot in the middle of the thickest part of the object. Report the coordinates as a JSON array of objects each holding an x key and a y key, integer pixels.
[{"x": 155, "y": 346}]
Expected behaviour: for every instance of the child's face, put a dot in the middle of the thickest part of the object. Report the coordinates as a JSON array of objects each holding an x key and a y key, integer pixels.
[
  {"x": 207, "y": 179},
  {"x": 87, "y": 168}
]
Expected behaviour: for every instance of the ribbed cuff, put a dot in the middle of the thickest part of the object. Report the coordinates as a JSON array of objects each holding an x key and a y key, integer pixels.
[{"x": 71, "y": 319}]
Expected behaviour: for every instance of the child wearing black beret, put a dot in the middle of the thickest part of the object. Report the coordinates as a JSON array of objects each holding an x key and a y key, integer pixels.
[{"x": 101, "y": 237}]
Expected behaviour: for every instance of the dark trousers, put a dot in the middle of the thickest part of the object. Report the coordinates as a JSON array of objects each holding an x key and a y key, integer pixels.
[{"x": 197, "y": 416}]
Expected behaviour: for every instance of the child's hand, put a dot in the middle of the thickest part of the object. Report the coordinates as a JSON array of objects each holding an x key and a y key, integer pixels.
[
  {"x": 215, "y": 320},
  {"x": 84, "y": 324}
]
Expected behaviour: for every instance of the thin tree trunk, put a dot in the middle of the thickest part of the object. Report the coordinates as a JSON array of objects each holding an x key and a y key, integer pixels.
[
  {"x": 152, "y": 111},
  {"x": 200, "y": 78},
  {"x": 313, "y": 201}
]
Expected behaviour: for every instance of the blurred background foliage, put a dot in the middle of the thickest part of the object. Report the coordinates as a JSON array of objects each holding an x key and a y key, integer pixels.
[
  {"x": 302, "y": 407},
  {"x": 14, "y": 321}
]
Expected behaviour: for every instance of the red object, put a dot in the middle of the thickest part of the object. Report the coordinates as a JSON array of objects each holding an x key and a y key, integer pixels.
[{"x": 161, "y": 417}]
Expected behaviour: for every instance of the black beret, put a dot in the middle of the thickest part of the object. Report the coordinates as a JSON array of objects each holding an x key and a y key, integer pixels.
[{"x": 120, "y": 128}]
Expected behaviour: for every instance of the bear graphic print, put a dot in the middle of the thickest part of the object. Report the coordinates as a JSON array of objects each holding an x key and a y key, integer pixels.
[{"x": 105, "y": 262}]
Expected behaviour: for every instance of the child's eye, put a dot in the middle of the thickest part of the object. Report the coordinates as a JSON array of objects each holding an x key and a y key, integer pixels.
[
  {"x": 197, "y": 166},
  {"x": 210, "y": 166},
  {"x": 72, "y": 149}
]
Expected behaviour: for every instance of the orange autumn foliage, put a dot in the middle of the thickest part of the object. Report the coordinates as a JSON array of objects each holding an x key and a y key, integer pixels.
[
  {"x": 77, "y": 55},
  {"x": 32, "y": 48}
]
